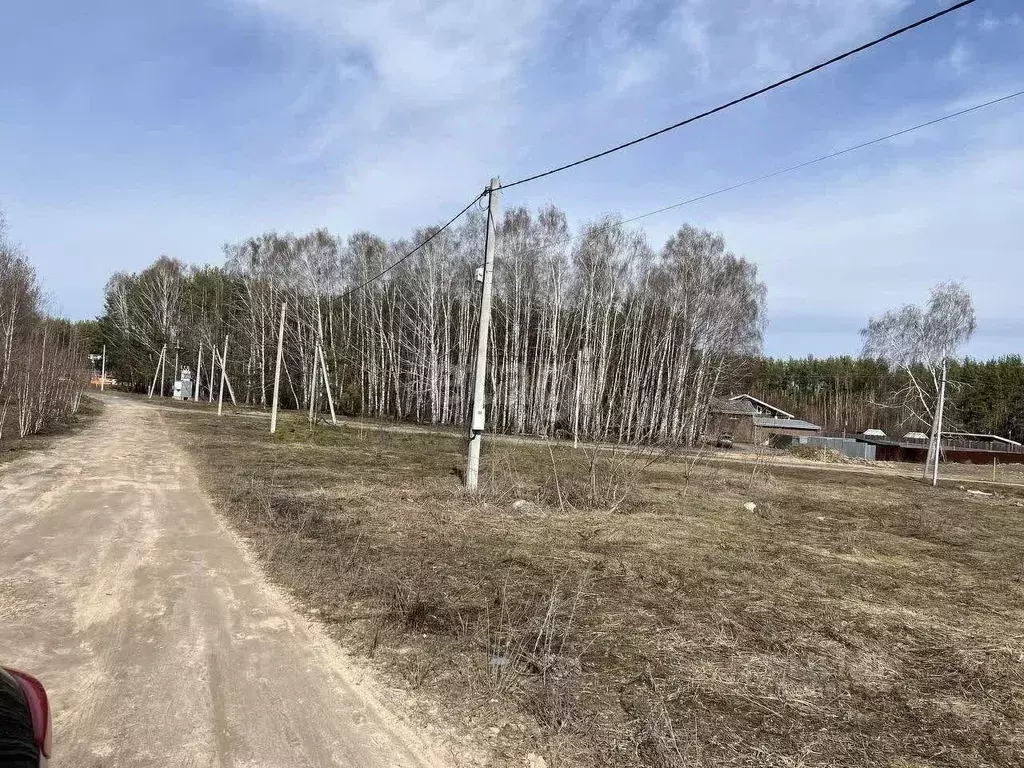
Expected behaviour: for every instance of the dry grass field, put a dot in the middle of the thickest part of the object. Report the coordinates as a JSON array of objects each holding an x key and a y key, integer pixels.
[{"x": 617, "y": 610}]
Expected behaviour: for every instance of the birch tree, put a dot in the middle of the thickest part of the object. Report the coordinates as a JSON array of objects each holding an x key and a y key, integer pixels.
[
  {"x": 920, "y": 340},
  {"x": 42, "y": 370}
]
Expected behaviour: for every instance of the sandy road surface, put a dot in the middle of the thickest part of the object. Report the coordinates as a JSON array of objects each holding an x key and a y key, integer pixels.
[{"x": 159, "y": 641}]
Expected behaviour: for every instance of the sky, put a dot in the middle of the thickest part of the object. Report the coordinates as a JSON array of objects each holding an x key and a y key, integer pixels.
[{"x": 131, "y": 130}]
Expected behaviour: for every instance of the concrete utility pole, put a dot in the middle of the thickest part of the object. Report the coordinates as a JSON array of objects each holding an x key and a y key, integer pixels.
[
  {"x": 213, "y": 366},
  {"x": 938, "y": 427},
  {"x": 163, "y": 372},
  {"x": 476, "y": 427},
  {"x": 312, "y": 383},
  {"x": 327, "y": 384},
  {"x": 199, "y": 372},
  {"x": 323, "y": 365},
  {"x": 156, "y": 373},
  {"x": 277, "y": 369},
  {"x": 103, "y": 368},
  {"x": 576, "y": 400},
  {"x": 227, "y": 380},
  {"x": 223, "y": 376}
]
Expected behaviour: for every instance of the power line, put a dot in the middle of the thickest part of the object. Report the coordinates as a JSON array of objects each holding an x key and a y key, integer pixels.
[
  {"x": 789, "y": 169},
  {"x": 414, "y": 251},
  {"x": 823, "y": 158},
  {"x": 747, "y": 97}
]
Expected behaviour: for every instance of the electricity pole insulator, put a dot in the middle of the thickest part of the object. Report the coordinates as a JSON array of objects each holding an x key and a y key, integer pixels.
[{"x": 478, "y": 418}]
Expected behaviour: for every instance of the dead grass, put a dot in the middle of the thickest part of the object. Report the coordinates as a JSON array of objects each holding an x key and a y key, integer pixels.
[
  {"x": 853, "y": 620},
  {"x": 819, "y": 453}
]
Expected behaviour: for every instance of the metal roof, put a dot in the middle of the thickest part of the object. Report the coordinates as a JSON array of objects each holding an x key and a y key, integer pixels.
[
  {"x": 917, "y": 445},
  {"x": 763, "y": 404},
  {"x": 765, "y": 421},
  {"x": 981, "y": 437},
  {"x": 732, "y": 406}
]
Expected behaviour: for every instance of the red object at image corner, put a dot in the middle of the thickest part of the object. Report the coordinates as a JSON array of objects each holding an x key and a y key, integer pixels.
[{"x": 25, "y": 716}]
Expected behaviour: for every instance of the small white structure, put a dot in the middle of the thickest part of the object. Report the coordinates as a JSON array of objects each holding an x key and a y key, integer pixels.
[
  {"x": 183, "y": 387},
  {"x": 874, "y": 433},
  {"x": 915, "y": 436}
]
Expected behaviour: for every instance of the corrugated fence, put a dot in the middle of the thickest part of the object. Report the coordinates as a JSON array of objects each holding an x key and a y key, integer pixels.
[{"x": 845, "y": 445}]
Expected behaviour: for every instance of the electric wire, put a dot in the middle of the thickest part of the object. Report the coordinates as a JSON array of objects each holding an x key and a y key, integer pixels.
[
  {"x": 753, "y": 94},
  {"x": 780, "y": 172},
  {"x": 414, "y": 251}
]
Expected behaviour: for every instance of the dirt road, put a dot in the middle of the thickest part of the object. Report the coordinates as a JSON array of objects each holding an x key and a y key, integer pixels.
[{"x": 160, "y": 642}]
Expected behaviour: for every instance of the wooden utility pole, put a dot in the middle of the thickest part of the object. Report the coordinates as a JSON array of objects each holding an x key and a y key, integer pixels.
[
  {"x": 223, "y": 377},
  {"x": 103, "y": 368},
  {"x": 277, "y": 369},
  {"x": 478, "y": 420},
  {"x": 156, "y": 373},
  {"x": 938, "y": 428}
]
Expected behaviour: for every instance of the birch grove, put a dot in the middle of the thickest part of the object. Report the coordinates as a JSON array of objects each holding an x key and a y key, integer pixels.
[
  {"x": 42, "y": 362},
  {"x": 596, "y": 335}
]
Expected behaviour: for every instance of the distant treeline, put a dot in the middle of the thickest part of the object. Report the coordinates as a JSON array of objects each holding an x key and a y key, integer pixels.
[
  {"x": 845, "y": 393},
  {"x": 599, "y": 334}
]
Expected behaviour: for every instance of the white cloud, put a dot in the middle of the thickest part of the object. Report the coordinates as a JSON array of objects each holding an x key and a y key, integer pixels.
[
  {"x": 429, "y": 59},
  {"x": 725, "y": 41},
  {"x": 989, "y": 23},
  {"x": 417, "y": 102},
  {"x": 959, "y": 59},
  {"x": 417, "y": 98},
  {"x": 860, "y": 242},
  {"x": 438, "y": 57}
]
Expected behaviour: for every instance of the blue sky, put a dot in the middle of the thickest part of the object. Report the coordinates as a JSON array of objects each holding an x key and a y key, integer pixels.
[{"x": 134, "y": 129}]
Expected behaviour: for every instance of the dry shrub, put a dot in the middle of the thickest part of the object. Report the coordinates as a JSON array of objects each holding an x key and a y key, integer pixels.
[
  {"x": 652, "y": 737},
  {"x": 505, "y": 481},
  {"x": 384, "y": 442},
  {"x": 600, "y": 478},
  {"x": 586, "y": 479},
  {"x": 819, "y": 453},
  {"x": 528, "y": 634}
]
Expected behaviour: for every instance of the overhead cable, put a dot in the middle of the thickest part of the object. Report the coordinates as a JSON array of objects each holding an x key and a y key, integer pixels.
[
  {"x": 414, "y": 251},
  {"x": 790, "y": 169},
  {"x": 753, "y": 94}
]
